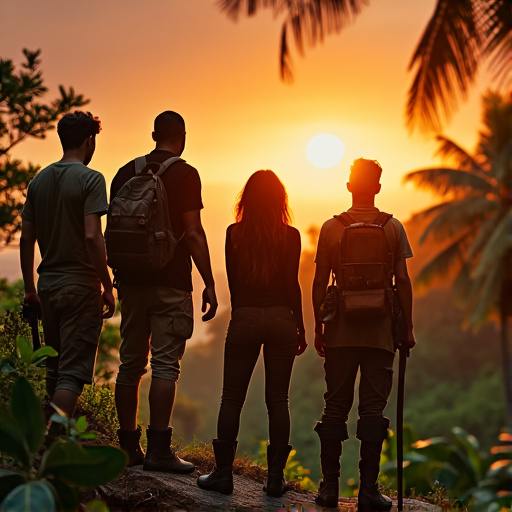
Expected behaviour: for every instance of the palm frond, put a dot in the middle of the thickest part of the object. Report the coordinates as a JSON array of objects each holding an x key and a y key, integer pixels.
[
  {"x": 484, "y": 234},
  {"x": 495, "y": 18},
  {"x": 501, "y": 63},
  {"x": 497, "y": 133},
  {"x": 447, "y": 261},
  {"x": 484, "y": 297},
  {"x": 423, "y": 215},
  {"x": 449, "y": 149},
  {"x": 235, "y": 8},
  {"x": 310, "y": 21},
  {"x": 499, "y": 243},
  {"x": 443, "y": 180},
  {"x": 446, "y": 61},
  {"x": 459, "y": 216}
]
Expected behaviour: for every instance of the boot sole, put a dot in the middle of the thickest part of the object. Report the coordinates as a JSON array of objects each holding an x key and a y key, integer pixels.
[
  {"x": 163, "y": 469},
  {"x": 226, "y": 490},
  {"x": 329, "y": 503}
]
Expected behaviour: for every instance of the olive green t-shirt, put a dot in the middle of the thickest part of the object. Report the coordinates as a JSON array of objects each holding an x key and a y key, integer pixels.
[
  {"x": 345, "y": 332},
  {"x": 58, "y": 198}
]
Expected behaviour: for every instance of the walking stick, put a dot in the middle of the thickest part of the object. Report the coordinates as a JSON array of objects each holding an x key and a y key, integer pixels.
[
  {"x": 404, "y": 353},
  {"x": 400, "y": 338}
]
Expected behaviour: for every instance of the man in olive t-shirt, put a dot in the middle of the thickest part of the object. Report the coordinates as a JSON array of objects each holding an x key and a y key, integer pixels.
[
  {"x": 349, "y": 346},
  {"x": 62, "y": 213}
]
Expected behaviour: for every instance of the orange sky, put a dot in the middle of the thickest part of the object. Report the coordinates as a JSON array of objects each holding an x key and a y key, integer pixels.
[{"x": 135, "y": 59}]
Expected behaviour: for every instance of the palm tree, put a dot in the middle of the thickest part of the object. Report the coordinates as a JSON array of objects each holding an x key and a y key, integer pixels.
[
  {"x": 458, "y": 37},
  {"x": 472, "y": 225}
]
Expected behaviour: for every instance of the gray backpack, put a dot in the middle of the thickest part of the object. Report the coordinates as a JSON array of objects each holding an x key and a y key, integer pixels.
[
  {"x": 139, "y": 235},
  {"x": 365, "y": 270}
]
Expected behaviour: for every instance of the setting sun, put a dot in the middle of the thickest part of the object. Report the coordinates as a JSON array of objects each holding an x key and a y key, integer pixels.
[{"x": 325, "y": 150}]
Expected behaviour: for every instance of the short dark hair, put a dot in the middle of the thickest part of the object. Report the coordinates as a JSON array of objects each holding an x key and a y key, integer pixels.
[
  {"x": 365, "y": 173},
  {"x": 169, "y": 126},
  {"x": 75, "y": 127}
]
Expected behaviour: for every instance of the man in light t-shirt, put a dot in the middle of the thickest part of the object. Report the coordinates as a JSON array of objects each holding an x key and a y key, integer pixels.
[{"x": 350, "y": 345}]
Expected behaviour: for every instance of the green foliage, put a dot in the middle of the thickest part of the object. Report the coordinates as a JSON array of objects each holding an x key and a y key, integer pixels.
[
  {"x": 108, "y": 354},
  {"x": 17, "y": 358},
  {"x": 54, "y": 482},
  {"x": 455, "y": 466},
  {"x": 11, "y": 295},
  {"x": 293, "y": 471},
  {"x": 476, "y": 198},
  {"x": 23, "y": 115},
  {"x": 99, "y": 403}
]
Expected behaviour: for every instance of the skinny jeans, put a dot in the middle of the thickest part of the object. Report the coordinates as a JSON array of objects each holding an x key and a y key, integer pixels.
[{"x": 250, "y": 328}]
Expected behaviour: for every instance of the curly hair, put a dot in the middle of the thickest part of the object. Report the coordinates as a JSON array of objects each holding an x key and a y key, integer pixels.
[
  {"x": 74, "y": 128},
  {"x": 262, "y": 214}
]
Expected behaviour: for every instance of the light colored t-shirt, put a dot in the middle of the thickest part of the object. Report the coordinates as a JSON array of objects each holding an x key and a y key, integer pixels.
[
  {"x": 58, "y": 198},
  {"x": 345, "y": 332}
]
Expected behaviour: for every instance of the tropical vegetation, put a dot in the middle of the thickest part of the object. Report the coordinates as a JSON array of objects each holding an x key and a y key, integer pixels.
[
  {"x": 459, "y": 36},
  {"x": 472, "y": 224}
]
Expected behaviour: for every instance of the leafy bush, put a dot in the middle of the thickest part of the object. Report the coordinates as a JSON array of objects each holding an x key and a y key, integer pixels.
[
  {"x": 99, "y": 404},
  {"x": 53, "y": 483},
  {"x": 17, "y": 358}
]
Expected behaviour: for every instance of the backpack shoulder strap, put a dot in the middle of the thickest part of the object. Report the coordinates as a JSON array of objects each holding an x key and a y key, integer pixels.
[
  {"x": 345, "y": 218},
  {"x": 382, "y": 218},
  {"x": 140, "y": 163},
  {"x": 167, "y": 163}
]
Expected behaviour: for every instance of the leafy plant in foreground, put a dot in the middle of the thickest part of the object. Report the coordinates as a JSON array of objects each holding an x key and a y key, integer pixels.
[{"x": 67, "y": 465}]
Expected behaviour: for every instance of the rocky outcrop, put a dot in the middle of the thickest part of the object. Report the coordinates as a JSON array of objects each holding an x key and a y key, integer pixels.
[{"x": 138, "y": 490}]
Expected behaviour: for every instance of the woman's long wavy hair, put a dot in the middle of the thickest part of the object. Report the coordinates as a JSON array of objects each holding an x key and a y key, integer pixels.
[{"x": 262, "y": 214}]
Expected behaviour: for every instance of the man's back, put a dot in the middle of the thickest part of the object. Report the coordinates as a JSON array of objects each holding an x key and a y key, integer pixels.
[
  {"x": 183, "y": 187},
  {"x": 57, "y": 200}
]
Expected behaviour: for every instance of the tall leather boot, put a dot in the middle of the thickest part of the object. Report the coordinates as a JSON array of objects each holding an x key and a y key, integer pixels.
[
  {"x": 276, "y": 462},
  {"x": 160, "y": 456},
  {"x": 221, "y": 480},
  {"x": 331, "y": 436},
  {"x": 371, "y": 431},
  {"x": 129, "y": 442}
]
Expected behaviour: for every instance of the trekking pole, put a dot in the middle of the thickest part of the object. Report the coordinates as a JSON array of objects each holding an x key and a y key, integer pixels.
[{"x": 404, "y": 354}]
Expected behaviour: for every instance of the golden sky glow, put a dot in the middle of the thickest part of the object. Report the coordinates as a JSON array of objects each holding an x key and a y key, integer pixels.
[{"x": 135, "y": 59}]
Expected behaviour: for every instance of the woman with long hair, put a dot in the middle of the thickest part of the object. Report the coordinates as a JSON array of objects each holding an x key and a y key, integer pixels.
[{"x": 262, "y": 263}]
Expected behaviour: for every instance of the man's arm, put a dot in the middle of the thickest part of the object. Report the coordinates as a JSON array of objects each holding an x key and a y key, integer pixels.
[
  {"x": 320, "y": 283},
  {"x": 198, "y": 247},
  {"x": 95, "y": 245},
  {"x": 404, "y": 289},
  {"x": 27, "y": 248}
]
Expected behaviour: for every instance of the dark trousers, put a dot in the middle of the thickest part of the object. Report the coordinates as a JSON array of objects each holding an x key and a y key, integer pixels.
[
  {"x": 250, "y": 328},
  {"x": 341, "y": 367}
]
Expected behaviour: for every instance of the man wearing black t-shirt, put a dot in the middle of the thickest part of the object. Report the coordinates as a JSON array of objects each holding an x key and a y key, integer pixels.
[{"x": 156, "y": 306}]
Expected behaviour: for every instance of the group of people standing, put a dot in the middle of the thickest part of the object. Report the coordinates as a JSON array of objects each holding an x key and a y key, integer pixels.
[{"x": 74, "y": 293}]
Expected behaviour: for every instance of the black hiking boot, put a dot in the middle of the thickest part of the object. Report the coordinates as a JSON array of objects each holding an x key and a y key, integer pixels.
[
  {"x": 277, "y": 457},
  {"x": 129, "y": 442},
  {"x": 221, "y": 480},
  {"x": 160, "y": 456}
]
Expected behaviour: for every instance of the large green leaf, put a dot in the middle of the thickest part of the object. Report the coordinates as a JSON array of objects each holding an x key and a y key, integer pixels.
[
  {"x": 26, "y": 408},
  {"x": 66, "y": 496},
  {"x": 42, "y": 353},
  {"x": 12, "y": 439},
  {"x": 469, "y": 444},
  {"x": 8, "y": 481},
  {"x": 30, "y": 497},
  {"x": 25, "y": 349},
  {"x": 87, "y": 466}
]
